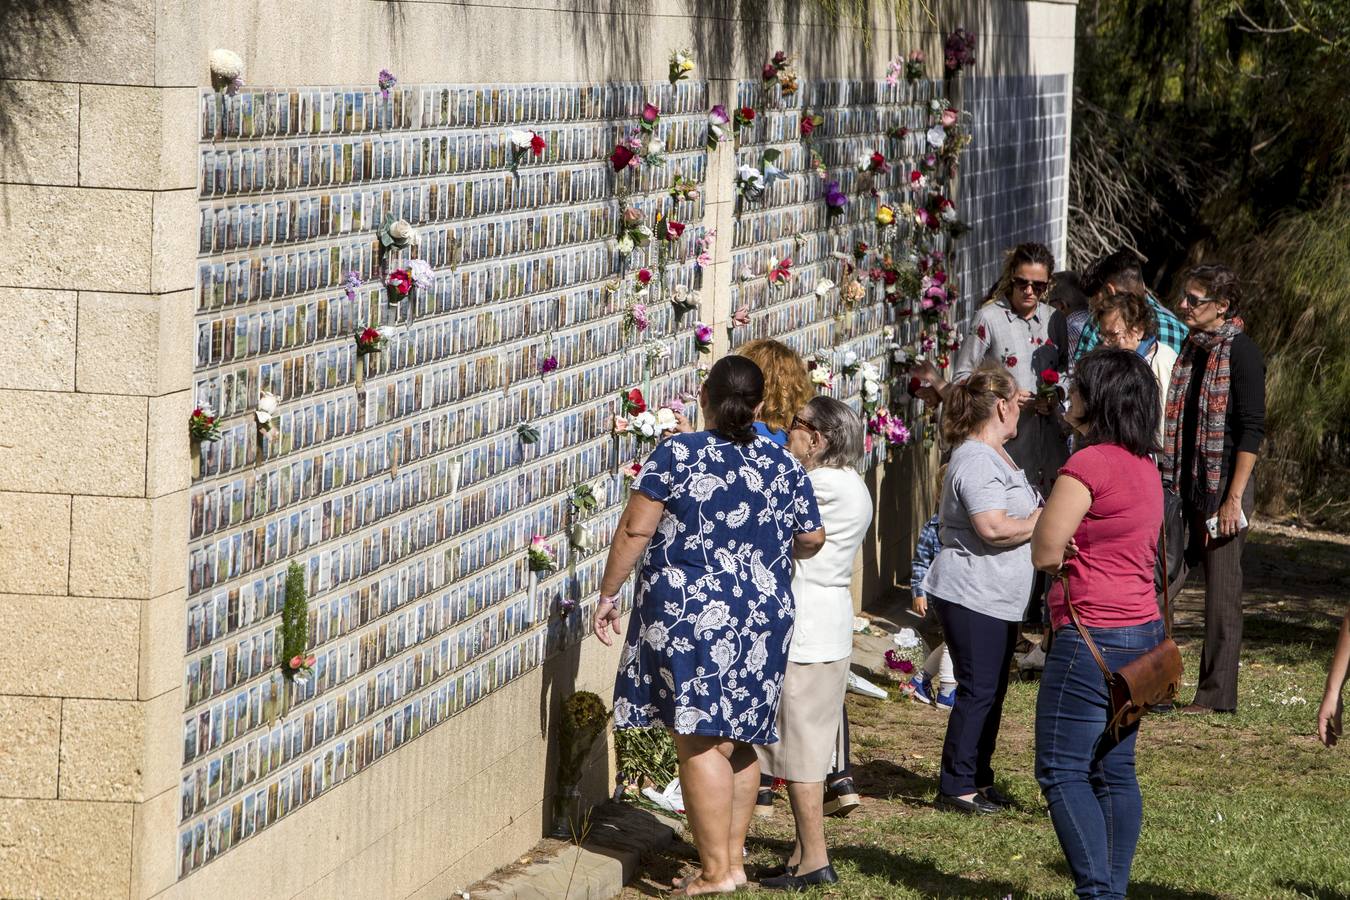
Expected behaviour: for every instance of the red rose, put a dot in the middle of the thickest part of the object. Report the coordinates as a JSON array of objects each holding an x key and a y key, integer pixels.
[
  {"x": 196, "y": 412},
  {"x": 748, "y": 113},
  {"x": 401, "y": 281},
  {"x": 537, "y": 144},
  {"x": 635, "y": 401},
  {"x": 674, "y": 230},
  {"x": 807, "y": 127},
  {"x": 369, "y": 335},
  {"x": 878, "y": 159},
  {"x": 780, "y": 59},
  {"x": 644, "y": 275},
  {"x": 890, "y": 276},
  {"x": 1011, "y": 361},
  {"x": 621, "y": 157},
  {"x": 1050, "y": 376},
  {"x": 769, "y": 73},
  {"x": 914, "y": 385}
]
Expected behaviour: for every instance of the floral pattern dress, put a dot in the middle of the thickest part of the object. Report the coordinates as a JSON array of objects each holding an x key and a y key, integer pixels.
[{"x": 707, "y": 644}]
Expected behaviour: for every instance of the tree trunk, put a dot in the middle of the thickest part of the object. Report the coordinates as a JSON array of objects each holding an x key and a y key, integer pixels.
[{"x": 1191, "y": 74}]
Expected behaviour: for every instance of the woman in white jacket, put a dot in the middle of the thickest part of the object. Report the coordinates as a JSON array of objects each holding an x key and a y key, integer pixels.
[{"x": 827, "y": 437}]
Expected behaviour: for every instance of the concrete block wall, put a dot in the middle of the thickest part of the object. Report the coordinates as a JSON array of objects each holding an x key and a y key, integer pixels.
[{"x": 98, "y": 221}]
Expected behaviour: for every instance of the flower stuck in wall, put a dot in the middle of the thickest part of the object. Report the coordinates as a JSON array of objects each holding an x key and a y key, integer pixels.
[
  {"x": 889, "y": 428},
  {"x": 685, "y": 298},
  {"x": 779, "y": 71},
  {"x": 703, "y": 337},
  {"x": 717, "y": 126},
  {"x": 350, "y": 282},
  {"x": 548, "y": 364},
  {"x": 780, "y": 271},
  {"x": 523, "y": 144},
  {"x": 632, "y": 402},
  {"x": 681, "y": 64},
  {"x": 396, "y": 233},
  {"x": 822, "y": 376},
  {"x": 958, "y": 52},
  {"x": 684, "y": 189},
  {"x": 527, "y": 433},
  {"x": 269, "y": 404},
  {"x": 385, "y": 81},
  {"x": 370, "y": 340},
  {"x": 749, "y": 182},
  {"x": 836, "y": 201},
  {"x": 400, "y": 284},
  {"x": 203, "y": 425},
  {"x": 541, "y": 555},
  {"x": 583, "y": 499},
  {"x": 227, "y": 71}
]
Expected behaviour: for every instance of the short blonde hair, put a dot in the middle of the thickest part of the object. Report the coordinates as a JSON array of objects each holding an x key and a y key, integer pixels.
[{"x": 787, "y": 387}]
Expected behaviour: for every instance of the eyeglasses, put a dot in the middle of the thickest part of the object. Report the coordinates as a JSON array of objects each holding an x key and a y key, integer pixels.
[
  {"x": 1037, "y": 287},
  {"x": 1193, "y": 301},
  {"x": 799, "y": 422}
]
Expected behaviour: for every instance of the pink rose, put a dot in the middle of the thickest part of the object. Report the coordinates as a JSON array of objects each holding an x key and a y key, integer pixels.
[
  {"x": 620, "y": 424},
  {"x": 949, "y": 117}
]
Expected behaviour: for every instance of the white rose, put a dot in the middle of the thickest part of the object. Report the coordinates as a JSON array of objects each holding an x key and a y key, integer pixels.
[
  {"x": 665, "y": 419},
  {"x": 850, "y": 358},
  {"x": 821, "y": 375},
  {"x": 937, "y": 136},
  {"x": 644, "y": 233},
  {"x": 824, "y": 287},
  {"x": 268, "y": 405},
  {"x": 751, "y": 176},
  {"x": 624, "y": 244},
  {"x": 655, "y": 147},
  {"x": 644, "y": 423},
  {"x": 865, "y": 160},
  {"x": 521, "y": 139},
  {"x": 948, "y": 214},
  {"x": 402, "y": 233},
  {"x": 226, "y": 64}
]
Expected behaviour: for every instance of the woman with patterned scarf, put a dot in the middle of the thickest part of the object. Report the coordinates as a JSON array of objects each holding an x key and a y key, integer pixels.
[{"x": 1216, "y": 413}]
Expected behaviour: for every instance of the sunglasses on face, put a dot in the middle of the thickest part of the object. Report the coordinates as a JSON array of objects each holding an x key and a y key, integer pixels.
[
  {"x": 799, "y": 422},
  {"x": 1193, "y": 301},
  {"x": 1037, "y": 287}
]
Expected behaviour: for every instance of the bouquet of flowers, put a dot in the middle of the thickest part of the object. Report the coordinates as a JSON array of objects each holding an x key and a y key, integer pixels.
[
  {"x": 523, "y": 143},
  {"x": 385, "y": 80},
  {"x": 914, "y": 64},
  {"x": 633, "y": 231},
  {"x": 809, "y": 124},
  {"x": 849, "y": 363},
  {"x": 888, "y": 428},
  {"x": 885, "y": 215},
  {"x": 870, "y": 388},
  {"x": 873, "y": 162},
  {"x": 958, "y": 52},
  {"x": 779, "y": 70},
  {"x": 684, "y": 189},
  {"x": 370, "y": 340},
  {"x": 818, "y": 369},
  {"x": 780, "y": 271},
  {"x": 648, "y": 426},
  {"x": 681, "y": 64},
  {"x": 749, "y": 182},
  {"x": 542, "y": 556},
  {"x": 685, "y": 298},
  {"x": 203, "y": 425}
]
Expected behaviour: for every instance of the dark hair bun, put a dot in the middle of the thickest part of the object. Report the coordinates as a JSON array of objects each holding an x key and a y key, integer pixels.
[{"x": 735, "y": 388}]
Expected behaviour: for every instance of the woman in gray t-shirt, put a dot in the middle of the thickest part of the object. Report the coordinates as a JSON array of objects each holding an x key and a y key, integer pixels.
[{"x": 980, "y": 581}]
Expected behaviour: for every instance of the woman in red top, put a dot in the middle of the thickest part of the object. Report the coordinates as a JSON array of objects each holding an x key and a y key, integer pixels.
[{"x": 1100, "y": 528}]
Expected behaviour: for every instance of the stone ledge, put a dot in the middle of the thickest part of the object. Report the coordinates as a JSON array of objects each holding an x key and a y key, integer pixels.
[{"x": 619, "y": 835}]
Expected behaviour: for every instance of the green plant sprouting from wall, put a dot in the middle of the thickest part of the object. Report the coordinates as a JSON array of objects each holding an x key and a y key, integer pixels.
[{"x": 294, "y": 621}]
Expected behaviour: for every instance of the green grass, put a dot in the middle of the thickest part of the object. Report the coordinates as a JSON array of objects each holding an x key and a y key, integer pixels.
[{"x": 1248, "y": 805}]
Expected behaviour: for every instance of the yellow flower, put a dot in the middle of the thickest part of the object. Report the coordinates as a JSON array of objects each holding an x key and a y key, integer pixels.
[{"x": 885, "y": 215}]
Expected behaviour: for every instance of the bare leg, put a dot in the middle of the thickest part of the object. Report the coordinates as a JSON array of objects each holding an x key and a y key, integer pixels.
[
  {"x": 707, "y": 783},
  {"x": 745, "y": 781},
  {"x": 808, "y": 800}
]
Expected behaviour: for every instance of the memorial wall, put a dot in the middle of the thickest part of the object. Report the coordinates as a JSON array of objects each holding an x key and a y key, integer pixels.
[{"x": 432, "y": 338}]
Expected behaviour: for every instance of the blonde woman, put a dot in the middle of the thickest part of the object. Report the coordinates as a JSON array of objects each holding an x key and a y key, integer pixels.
[{"x": 787, "y": 387}]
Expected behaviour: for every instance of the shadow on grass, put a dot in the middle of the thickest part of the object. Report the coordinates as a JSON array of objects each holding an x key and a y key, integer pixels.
[
  {"x": 1317, "y": 891},
  {"x": 884, "y": 779},
  {"x": 918, "y": 874}
]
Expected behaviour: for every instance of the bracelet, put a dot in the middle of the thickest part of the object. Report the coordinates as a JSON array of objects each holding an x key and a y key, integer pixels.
[{"x": 610, "y": 600}]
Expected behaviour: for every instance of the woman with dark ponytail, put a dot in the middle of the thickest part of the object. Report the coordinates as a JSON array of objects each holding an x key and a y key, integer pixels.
[{"x": 721, "y": 514}]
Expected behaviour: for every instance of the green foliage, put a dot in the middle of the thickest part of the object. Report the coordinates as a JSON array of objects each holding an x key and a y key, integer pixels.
[
  {"x": 294, "y": 617},
  {"x": 646, "y": 753},
  {"x": 1218, "y": 130},
  {"x": 584, "y": 718}
]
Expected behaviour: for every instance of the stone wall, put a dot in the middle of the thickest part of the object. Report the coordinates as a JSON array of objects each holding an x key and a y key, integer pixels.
[{"x": 105, "y": 600}]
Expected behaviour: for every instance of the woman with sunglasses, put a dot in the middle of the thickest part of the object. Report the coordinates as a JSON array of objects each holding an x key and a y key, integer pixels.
[
  {"x": 1020, "y": 332},
  {"x": 1215, "y": 421}
]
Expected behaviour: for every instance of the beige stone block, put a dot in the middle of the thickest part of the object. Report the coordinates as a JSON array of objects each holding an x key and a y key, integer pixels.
[
  {"x": 42, "y": 132},
  {"x": 53, "y": 848},
  {"x": 168, "y": 459},
  {"x": 76, "y": 238},
  {"x": 134, "y": 343},
  {"x": 138, "y": 137},
  {"x": 163, "y": 621},
  {"x": 38, "y": 353},
  {"x": 72, "y": 443},
  {"x": 35, "y": 537},
  {"x": 174, "y": 261},
  {"x": 102, "y": 749},
  {"x": 128, "y": 548},
  {"x": 69, "y": 646},
  {"x": 154, "y": 863},
  {"x": 107, "y": 42},
  {"x": 30, "y": 738},
  {"x": 180, "y": 52}
]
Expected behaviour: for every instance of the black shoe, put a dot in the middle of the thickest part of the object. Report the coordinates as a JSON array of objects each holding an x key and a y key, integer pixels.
[
  {"x": 800, "y": 882},
  {"x": 841, "y": 798},
  {"x": 764, "y": 803},
  {"x": 997, "y": 797},
  {"x": 776, "y": 871},
  {"x": 977, "y": 806}
]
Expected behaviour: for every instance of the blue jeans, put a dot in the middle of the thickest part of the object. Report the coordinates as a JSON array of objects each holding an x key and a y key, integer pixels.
[{"x": 1088, "y": 779}]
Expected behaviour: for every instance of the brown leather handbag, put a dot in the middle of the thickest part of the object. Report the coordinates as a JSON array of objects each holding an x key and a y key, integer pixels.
[{"x": 1144, "y": 682}]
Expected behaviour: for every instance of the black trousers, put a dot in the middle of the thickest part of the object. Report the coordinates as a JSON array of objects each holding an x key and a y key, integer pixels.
[
  {"x": 1222, "y": 563},
  {"x": 982, "y": 649}
]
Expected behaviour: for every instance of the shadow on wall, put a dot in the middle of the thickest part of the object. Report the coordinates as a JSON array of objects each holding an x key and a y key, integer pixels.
[{"x": 26, "y": 26}]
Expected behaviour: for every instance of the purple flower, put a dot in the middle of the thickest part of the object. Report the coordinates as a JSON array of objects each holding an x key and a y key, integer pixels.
[
  {"x": 548, "y": 365},
  {"x": 703, "y": 332},
  {"x": 835, "y": 199},
  {"x": 387, "y": 80},
  {"x": 718, "y": 115}
]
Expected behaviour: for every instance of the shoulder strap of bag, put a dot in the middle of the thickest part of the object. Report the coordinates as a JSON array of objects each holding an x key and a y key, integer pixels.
[{"x": 1166, "y": 611}]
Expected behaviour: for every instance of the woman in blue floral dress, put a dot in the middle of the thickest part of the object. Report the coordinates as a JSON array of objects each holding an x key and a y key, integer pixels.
[{"x": 721, "y": 513}]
